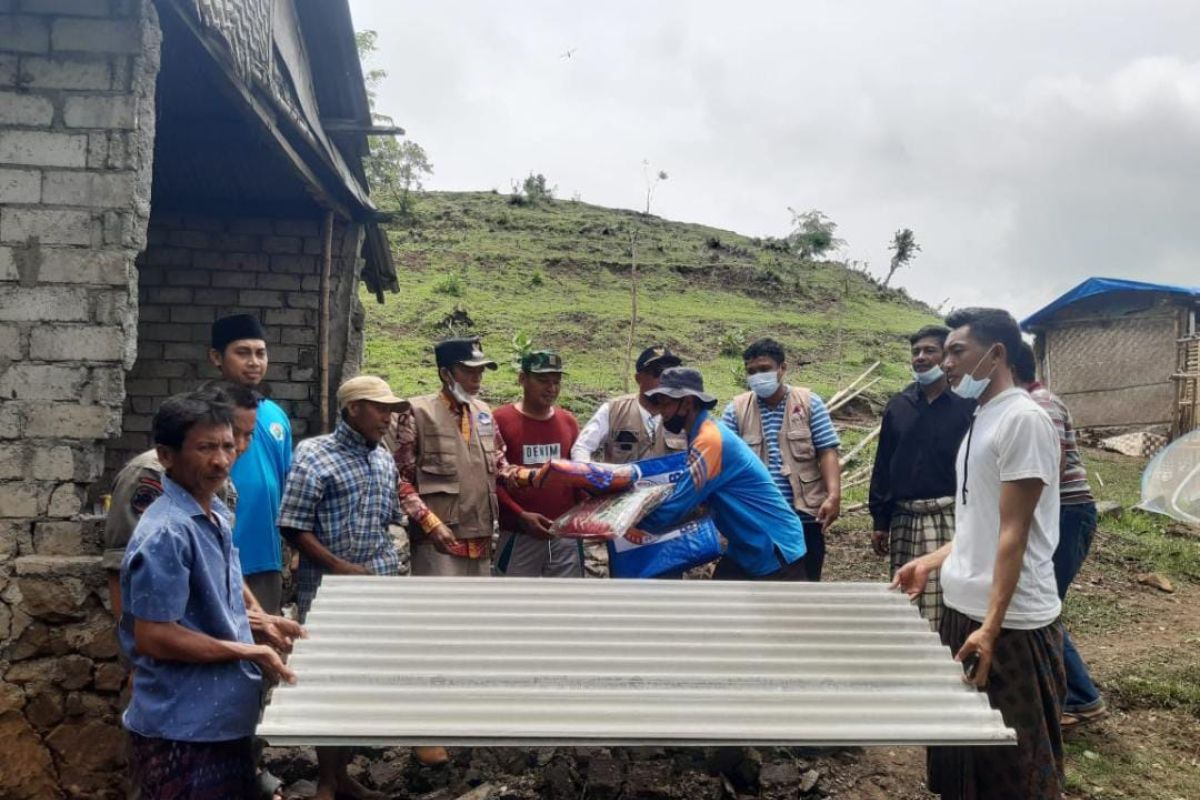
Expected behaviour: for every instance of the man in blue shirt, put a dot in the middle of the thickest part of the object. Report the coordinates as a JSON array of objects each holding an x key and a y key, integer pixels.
[
  {"x": 239, "y": 351},
  {"x": 789, "y": 428},
  {"x": 766, "y": 539},
  {"x": 184, "y": 623}
]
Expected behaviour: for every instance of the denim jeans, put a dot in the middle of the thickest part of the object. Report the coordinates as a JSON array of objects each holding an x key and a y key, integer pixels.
[{"x": 1076, "y": 526}]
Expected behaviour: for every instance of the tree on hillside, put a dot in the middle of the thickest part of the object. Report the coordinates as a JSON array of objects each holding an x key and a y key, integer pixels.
[
  {"x": 812, "y": 234},
  {"x": 652, "y": 180},
  {"x": 394, "y": 169},
  {"x": 904, "y": 248}
]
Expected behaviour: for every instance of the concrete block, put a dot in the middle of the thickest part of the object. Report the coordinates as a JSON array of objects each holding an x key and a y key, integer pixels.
[
  {"x": 113, "y": 308},
  {"x": 76, "y": 343},
  {"x": 43, "y": 304},
  {"x": 290, "y": 391},
  {"x": 234, "y": 280},
  {"x": 23, "y": 34},
  {"x": 156, "y": 387},
  {"x": 76, "y": 8},
  {"x": 187, "y": 277},
  {"x": 281, "y": 244},
  {"x": 10, "y": 342},
  {"x": 42, "y": 382},
  {"x": 97, "y": 35},
  {"x": 185, "y": 352},
  {"x": 8, "y": 265},
  {"x": 296, "y": 264},
  {"x": 107, "y": 385},
  {"x": 43, "y": 148},
  {"x": 312, "y": 283},
  {"x": 217, "y": 297},
  {"x": 99, "y": 189},
  {"x": 58, "y": 538},
  {"x": 67, "y": 500},
  {"x": 303, "y": 300},
  {"x": 297, "y": 227},
  {"x": 235, "y": 242},
  {"x": 20, "y": 186},
  {"x": 79, "y": 74},
  {"x": 50, "y": 225},
  {"x": 53, "y": 463},
  {"x": 246, "y": 262},
  {"x": 139, "y": 423},
  {"x": 167, "y": 296},
  {"x": 19, "y": 499},
  {"x": 260, "y": 299},
  {"x": 195, "y": 240},
  {"x": 166, "y": 331},
  {"x": 68, "y": 265},
  {"x": 284, "y": 354},
  {"x": 12, "y": 421},
  {"x": 251, "y": 225},
  {"x": 286, "y": 283},
  {"x": 195, "y": 313},
  {"x": 14, "y": 461},
  {"x": 289, "y": 316},
  {"x": 202, "y": 222},
  {"x": 71, "y": 421},
  {"x": 8, "y": 69},
  {"x": 25, "y": 109},
  {"x": 299, "y": 336}
]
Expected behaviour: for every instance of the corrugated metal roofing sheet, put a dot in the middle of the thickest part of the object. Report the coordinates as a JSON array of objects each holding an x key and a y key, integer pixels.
[{"x": 491, "y": 661}]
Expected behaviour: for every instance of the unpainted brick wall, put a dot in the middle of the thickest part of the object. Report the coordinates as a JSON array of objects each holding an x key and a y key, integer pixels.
[
  {"x": 197, "y": 269},
  {"x": 77, "y": 80}
]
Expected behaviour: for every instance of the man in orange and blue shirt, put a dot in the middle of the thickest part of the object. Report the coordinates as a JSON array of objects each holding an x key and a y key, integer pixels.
[{"x": 766, "y": 539}]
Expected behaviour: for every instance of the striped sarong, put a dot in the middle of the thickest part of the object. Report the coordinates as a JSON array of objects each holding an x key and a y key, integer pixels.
[
  {"x": 920, "y": 527},
  {"x": 164, "y": 769},
  {"x": 1025, "y": 684}
]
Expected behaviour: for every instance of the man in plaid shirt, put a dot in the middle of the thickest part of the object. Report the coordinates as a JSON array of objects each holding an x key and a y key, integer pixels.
[{"x": 339, "y": 500}]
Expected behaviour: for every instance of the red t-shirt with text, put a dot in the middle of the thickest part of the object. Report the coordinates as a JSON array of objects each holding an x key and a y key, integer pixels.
[{"x": 530, "y": 442}]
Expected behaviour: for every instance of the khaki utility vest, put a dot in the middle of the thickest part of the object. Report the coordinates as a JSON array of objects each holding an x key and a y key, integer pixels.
[
  {"x": 627, "y": 440},
  {"x": 457, "y": 478},
  {"x": 796, "y": 450}
]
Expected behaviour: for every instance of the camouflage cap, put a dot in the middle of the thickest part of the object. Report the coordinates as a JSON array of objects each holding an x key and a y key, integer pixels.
[{"x": 541, "y": 361}]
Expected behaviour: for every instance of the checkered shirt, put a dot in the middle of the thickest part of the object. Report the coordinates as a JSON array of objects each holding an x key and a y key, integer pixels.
[{"x": 343, "y": 490}]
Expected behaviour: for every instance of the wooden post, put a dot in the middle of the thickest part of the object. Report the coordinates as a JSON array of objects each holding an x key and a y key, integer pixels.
[{"x": 323, "y": 342}]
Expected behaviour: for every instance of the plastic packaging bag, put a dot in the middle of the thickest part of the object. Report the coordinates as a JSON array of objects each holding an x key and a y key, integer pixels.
[
  {"x": 640, "y": 554},
  {"x": 612, "y": 515}
]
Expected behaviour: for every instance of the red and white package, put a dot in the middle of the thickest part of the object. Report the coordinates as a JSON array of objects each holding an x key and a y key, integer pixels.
[{"x": 610, "y": 516}]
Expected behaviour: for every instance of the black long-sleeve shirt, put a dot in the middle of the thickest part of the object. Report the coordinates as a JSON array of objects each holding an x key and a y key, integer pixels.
[{"x": 917, "y": 449}]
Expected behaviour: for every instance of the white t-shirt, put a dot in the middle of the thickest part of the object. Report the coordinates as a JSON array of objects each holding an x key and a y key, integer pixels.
[{"x": 1011, "y": 439}]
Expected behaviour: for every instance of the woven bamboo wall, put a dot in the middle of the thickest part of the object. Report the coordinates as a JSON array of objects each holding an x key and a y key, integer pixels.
[{"x": 1115, "y": 372}]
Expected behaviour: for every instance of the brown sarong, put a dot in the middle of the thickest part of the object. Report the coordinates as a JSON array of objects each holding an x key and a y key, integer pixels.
[
  {"x": 163, "y": 769},
  {"x": 1026, "y": 685},
  {"x": 919, "y": 527}
]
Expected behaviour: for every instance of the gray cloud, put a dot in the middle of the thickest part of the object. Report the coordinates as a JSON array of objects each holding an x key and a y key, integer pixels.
[{"x": 1029, "y": 144}]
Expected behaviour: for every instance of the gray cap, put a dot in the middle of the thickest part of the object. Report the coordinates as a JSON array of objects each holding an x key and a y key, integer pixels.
[{"x": 679, "y": 382}]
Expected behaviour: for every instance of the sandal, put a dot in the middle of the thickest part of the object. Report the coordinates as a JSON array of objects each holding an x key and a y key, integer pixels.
[
  {"x": 269, "y": 787},
  {"x": 1076, "y": 719}
]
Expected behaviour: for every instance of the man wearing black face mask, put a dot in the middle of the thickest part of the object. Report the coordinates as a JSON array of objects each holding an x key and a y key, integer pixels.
[
  {"x": 766, "y": 538},
  {"x": 912, "y": 484}
]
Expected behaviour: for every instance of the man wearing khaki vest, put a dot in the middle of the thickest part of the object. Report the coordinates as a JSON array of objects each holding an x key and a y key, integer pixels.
[
  {"x": 449, "y": 455},
  {"x": 627, "y": 428},
  {"x": 789, "y": 428}
]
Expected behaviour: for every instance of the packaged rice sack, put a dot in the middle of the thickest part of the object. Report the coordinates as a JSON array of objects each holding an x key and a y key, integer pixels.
[
  {"x": 640, "y": 554},
  {"x": 599, "y": 478},
  {"x": 611, "y": 515}
]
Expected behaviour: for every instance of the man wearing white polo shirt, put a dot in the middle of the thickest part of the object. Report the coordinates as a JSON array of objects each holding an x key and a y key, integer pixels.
[{"x": 997, "y": 574}]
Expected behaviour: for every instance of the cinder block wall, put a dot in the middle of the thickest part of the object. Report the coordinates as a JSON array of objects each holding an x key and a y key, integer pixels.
[
  {"x": 197, "y": 269},
  {"x": 77, "y": 84}
]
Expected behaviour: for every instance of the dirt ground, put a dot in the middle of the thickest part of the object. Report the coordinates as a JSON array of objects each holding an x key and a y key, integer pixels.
[{"x": 1142, "y": 646}]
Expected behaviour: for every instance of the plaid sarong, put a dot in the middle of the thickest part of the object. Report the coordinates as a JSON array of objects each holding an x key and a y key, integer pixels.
[
  {"x": 1026, "y": 684},
  {"x": 920, "y": 527},
  {"x": 165, "y": 769}
]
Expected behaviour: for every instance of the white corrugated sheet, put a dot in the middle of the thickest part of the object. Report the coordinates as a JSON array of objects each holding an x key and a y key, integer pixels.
[{"x": 503, "y": 661}]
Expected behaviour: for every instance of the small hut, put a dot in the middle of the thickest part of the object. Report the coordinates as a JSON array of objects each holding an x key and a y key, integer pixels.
[{"x": 1123, "y": 355}]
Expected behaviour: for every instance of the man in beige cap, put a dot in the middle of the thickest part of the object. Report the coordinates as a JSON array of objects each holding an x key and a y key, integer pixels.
[{"x": 339, "y": 500}]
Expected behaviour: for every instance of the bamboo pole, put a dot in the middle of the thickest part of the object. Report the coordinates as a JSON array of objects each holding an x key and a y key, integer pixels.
[
  {"x": 834, "y": 406},
  {"x": 838, "y": 394},
  {"x": 323, "y": 341},
  {"x": 858, "y": 448}
]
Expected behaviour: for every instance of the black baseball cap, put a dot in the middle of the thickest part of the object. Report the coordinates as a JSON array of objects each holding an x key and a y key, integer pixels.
[
  {"x": 467, "y": 352},
  {"x": 656, "y": 356},
  {"x": 678, "y": 382}
]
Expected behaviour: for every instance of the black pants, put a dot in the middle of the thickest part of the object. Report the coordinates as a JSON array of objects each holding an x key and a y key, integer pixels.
[
  {"x": 728, "y": 570},
  {"x": 814, "y": 543}
]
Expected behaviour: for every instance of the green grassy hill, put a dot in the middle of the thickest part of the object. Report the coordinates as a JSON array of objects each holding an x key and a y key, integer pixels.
[{"x": 559, "y": 272}]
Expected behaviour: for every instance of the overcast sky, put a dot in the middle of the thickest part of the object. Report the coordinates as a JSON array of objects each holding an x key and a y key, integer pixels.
[{"x": 1028, "y": 144}]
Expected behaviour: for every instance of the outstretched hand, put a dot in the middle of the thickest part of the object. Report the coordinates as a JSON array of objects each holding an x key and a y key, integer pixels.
[{"x": 912, "y": 577}]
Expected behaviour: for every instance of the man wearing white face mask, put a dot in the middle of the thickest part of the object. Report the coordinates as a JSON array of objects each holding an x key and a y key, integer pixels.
[
  {"x": 912, "y": 483},
  {"x": 789, "y": 428},
  {"x": 997, "y": 574}
]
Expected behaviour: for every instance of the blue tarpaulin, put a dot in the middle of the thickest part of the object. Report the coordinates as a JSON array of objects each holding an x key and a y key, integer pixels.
[{"x": 1098, "y": 286}]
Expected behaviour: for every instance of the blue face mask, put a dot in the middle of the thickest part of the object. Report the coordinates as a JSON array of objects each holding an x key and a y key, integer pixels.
[
  {"x": 931, "y": 375},
  {"x": 763, "y": 384},
  {"x": 971, "y": 387}
]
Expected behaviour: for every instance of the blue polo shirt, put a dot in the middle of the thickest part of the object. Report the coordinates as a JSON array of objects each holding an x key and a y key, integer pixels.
[
  {"x": 747, "y": 506},
  {"x": 182, "y": 567},
  {"x": 259, "y": 475}
]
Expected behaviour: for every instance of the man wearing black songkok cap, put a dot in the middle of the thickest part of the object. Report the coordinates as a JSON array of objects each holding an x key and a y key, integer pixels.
[{"x": 239, "y": 351}]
